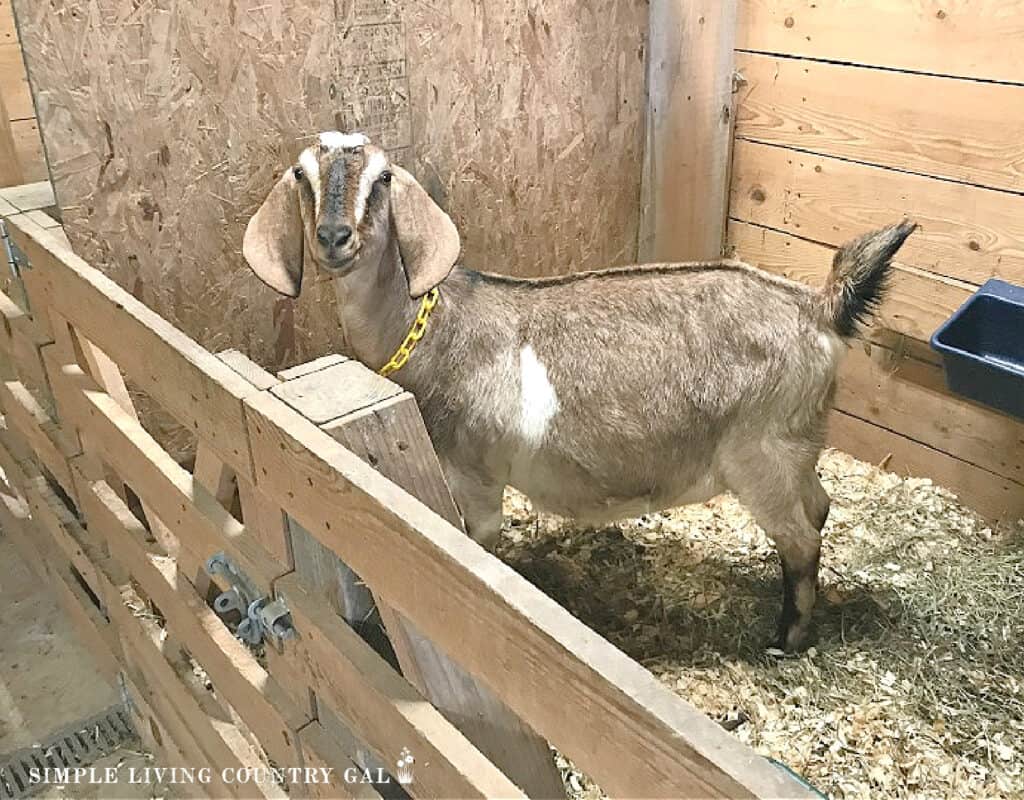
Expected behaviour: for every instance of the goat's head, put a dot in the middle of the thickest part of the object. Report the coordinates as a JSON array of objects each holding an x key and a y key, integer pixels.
[{"x": 341, "y": 205}]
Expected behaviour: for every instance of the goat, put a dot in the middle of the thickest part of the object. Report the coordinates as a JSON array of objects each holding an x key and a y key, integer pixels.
[{"x": 600, "y": 395}]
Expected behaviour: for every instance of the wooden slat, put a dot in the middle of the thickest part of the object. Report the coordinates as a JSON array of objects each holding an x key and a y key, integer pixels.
[
  {"x": 349, "y": 385},
  {"x": 154, "y": 736},
  {"x": 247, "y": 368},
  {"x": 29, "y": 196},
  {"x": 53, "y": 519},
  {"x": 199, "y": 390},
  {"x": 910, "y": 397},
  {"x": 28, "y": 144},
  {"x": 191, "y": 512},
  {"x": 968, "y": 39},
  {"x": 381, "y": 706},
  {"x": 321, "y": 752},
  {"x": 957, "y": 129},
  {"x": 391, "y": 437},
  {"x": 92, "y": 630},
  {"x": 165, "y": 699},
  {"x": 239, "y": 679},
  {"x": 317, "y": 364},
  {"x": 916, "y": 304},
  {"x": 39, "y": 430},
  {"x": 685, "y": 184},
  {"x": 548, "y": 667},
  {"x": 987, "y": 493},
  {"x": 14, "y": 83},
  {"x": 378, "y": 422},
  {"x": 966, "y": 232},
  {"x": 11, "y": 173},
  {"x": 219, "y": 741},
  {"x": 8, "y": 30}
]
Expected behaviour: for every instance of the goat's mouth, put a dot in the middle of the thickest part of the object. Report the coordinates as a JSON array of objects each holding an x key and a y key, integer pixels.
[{"x": 339, "y": 264}]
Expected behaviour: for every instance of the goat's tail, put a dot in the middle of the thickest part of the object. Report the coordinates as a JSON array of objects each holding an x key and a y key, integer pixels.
[{"x": 860, "y": 277}]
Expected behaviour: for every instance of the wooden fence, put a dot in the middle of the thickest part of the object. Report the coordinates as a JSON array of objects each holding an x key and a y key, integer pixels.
[{"x": 301, "y": 482}]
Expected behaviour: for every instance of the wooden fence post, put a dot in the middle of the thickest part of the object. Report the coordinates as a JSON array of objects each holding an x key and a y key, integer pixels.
[
  {"x": 380, "y": 423},
  {"x": 685, "y": 186}
]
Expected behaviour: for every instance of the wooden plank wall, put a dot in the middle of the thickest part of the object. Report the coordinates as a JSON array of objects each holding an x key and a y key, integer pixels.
[
  {"x": 851, "y": 115},
  {"x": 21, "y": 148}
]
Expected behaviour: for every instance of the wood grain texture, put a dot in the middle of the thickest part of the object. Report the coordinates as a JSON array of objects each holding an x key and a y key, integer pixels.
[
  {"x": 8, "y": 29},
  {"x": 180, "y": 710},
  {"x": 166, "y": 130},
  {"x": 186, "y": 380},
  {"x": 910, "y": 397},
  {"x": 958, "y": 129},
  {"x": 11, "y": 173},
  {"x": 684, "y": 192},
  {"x": 966, "y": 232},
  {"x": 38, "y": 429},
  {"x": 28, "y": 146},
  {"x": 916, "y": 304},
  {"x": 321, "y": 751},
  {"x": 544, "y": 664},
  {"x": 29, "y": 196},
  {"x": 390, "y": 436},
  {"x": 967, "y": 38},
  {"x": 988, "y": 494},
  {"x": 338, "y": 390},
  {"x": 382, "y": 708},
  {"x": 178, "y": 499},
  {"x": 240, "y": 680},
  {"x": 14, "y": 83}
]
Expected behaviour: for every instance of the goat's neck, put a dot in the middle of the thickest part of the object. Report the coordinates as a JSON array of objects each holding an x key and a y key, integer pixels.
[{"x": 375, "y": 308}]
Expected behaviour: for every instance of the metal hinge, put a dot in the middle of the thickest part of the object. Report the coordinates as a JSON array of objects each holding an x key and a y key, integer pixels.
[{"x": 261, "y": 616}]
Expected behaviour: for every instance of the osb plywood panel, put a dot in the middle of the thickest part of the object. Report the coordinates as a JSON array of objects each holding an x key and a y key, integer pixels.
[{"x": 166, "y": 122}]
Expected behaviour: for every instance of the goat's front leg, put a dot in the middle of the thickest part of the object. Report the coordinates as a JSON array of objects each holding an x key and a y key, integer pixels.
[{"x": 479, "y": 502}]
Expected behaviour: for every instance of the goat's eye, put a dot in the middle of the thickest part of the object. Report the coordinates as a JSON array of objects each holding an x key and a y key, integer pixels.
[
  {"x": 298, "y": 173},
  {"x": 385, "y": 177}
]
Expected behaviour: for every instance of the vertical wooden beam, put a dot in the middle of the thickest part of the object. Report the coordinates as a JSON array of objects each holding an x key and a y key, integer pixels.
[
  {"x": 381, "y": 424},
  {"x": 685, "y": 186}
]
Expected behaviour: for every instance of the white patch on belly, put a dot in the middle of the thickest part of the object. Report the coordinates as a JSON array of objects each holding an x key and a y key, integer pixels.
[
  {"x": 349, "y": 141},
  {"x": 538, "y": 402}
]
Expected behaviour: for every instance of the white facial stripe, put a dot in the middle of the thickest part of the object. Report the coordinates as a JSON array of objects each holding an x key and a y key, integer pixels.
[
  {"x": 333, "y": 139},
  {"x": 538, "y": 402},
  {"x": 374, "y": 167},
  {"x": 311, "y": 166}
]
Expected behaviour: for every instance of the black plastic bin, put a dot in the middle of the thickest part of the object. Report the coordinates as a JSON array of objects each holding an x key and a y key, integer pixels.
[{"x": 982, "y": 347}]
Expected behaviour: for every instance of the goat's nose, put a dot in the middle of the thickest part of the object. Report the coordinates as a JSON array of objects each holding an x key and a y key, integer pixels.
[{"x": 333, "y": 236}]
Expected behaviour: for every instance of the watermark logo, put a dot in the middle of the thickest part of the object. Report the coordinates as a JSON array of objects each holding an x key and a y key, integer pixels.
[{"x": 404, "y": 764}]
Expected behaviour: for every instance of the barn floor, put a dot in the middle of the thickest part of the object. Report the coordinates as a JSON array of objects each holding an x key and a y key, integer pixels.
[
  {"x": 915, "y": 684},
  {"x": 49, "y": 681}
]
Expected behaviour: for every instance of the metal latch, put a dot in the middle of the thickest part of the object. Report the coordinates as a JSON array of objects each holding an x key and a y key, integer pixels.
[{"x": 261, "y": 616}]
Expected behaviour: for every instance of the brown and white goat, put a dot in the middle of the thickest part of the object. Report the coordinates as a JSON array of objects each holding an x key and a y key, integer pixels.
[{"x": 600, "y": 395}]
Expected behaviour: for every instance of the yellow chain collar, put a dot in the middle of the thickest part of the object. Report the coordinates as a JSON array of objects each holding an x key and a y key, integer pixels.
[{"x": 419, "y": 327}]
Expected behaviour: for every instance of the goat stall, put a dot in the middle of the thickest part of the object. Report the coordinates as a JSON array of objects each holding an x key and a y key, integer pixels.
[{"x": 252, "y": 531}]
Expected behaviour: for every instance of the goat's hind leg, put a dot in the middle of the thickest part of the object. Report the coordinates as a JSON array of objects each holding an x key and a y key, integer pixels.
[{"x": 792, "y": 510}]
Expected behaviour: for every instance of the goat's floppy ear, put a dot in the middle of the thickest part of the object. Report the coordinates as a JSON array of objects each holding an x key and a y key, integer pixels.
[
  {"x": 427, "y": 238},
  {"x": 273, "y": 238}
]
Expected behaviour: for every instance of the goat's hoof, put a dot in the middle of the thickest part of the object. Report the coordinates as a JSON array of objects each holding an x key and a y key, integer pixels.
[{"x": 789, "y": 640}]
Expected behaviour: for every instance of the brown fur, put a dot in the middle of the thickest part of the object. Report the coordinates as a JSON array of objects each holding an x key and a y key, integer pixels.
[{"x": 614, "y": 393}]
